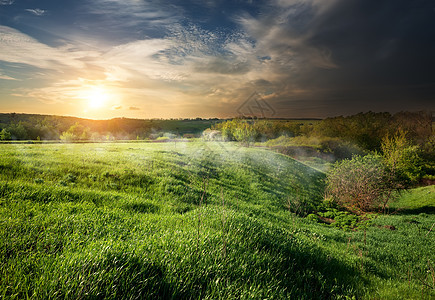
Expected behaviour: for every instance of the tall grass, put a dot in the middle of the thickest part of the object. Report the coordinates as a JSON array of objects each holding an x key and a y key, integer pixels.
[{"x": 191, "y": 220}]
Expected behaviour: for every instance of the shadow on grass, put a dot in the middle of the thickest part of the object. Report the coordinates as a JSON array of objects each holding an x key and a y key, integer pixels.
[
  {"x": 115, "y": 275},
  {"x": 414, "y": 211},
  {"x": 261, "y": 261},
  {"x": 304, "y": 270},
  {"x": 267, "y": 262}
]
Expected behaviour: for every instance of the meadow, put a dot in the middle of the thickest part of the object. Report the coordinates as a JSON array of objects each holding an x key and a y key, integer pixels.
[{"x": 203, "y": 220}]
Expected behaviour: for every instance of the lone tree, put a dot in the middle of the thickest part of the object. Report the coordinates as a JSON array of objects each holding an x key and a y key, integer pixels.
[{"x": 361, "y": 184}]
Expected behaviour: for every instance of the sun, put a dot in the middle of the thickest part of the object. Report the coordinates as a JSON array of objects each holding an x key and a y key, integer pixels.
[{"x": 96, "y": 97}]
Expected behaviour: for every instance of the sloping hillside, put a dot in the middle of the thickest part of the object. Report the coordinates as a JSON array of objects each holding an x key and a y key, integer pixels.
[{"x": 183, "y": 220}]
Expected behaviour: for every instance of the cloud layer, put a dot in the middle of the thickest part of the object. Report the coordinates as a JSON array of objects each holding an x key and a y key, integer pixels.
[{"x": 307, "y": 58}]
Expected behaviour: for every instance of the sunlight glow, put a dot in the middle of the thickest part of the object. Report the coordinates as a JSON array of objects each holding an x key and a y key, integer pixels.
[{"x": 96, "y": 97}]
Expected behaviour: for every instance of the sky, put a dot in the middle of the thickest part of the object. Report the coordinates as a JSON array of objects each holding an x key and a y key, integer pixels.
[{"x": 215, "y": 58}]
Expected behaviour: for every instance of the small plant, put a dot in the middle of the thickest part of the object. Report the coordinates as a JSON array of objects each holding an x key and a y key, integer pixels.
[
  {"x": 313, "y": 217},
  {"x": 345, "y": 220},
  {"x": 340, "y": 218},
  {"x": 299, "y": 204},
  {"x": 427, "y": 279}
]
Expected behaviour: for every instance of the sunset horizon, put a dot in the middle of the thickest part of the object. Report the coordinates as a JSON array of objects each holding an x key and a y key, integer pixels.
[{"x": 166, "y": 59}]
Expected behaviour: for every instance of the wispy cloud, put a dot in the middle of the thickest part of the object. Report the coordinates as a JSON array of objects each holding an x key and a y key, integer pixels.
[
  {"x": 6, "y": 2},
  {"x": 37, "y": 11},
  {"x": 196, "y": 66},
  {"x": 122, "y": 14},
  {"x": 17, "y": 47},
  {"x": 188, "y": 63},
  {"x": 5, "y": 77},
  {"x": 284, "y": 35},
  {"x": 319, "y": 5},
  {"x": 154, "y": 56}
]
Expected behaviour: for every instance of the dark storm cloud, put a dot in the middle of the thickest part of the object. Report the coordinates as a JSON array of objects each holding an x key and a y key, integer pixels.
[
  {"x": 380, "y": 42},
  {"x": 348, "y": 55},
  {"x": 384, "y": 52}
]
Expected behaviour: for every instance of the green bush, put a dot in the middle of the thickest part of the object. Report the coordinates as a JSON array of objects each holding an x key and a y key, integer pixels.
[
  {"x": 402, "y": 158},
  {"x": 313, "y": 217}
]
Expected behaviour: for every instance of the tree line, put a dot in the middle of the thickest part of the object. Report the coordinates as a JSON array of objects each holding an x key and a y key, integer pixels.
[
  {"x": 374, "y": 153},
  {"x": 366, "y": 130},
  {"x": 46, "y": 127}
]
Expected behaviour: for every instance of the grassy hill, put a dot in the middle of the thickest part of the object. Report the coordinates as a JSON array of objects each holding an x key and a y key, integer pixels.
[{"x": 193, "y": 220}]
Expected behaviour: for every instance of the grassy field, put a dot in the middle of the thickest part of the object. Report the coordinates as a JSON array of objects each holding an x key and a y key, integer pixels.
[{"x": 194, "y": 220}]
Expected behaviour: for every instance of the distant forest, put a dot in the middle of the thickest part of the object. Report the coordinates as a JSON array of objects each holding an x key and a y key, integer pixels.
[
  {"x": 363, "y": 129},
  {"x": 14, "y": 126}
]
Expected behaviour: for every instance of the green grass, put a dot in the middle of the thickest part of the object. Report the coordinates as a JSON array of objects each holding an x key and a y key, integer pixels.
[
  {"x": 420, "y": 200},
  {"x": 192, "y": 220}
]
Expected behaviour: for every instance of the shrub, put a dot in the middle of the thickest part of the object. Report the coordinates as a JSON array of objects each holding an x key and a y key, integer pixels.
[
  {"x": 245, "y": 134},
  {"x": 239, "y": 130},
  {"x": 362, "y": 183},
  {"x": 402, "y": 158},
  {"x": 313, "y": 217}
]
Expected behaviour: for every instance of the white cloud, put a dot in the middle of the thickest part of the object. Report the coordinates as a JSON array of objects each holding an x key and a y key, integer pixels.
[
  {"x": 6, "y": 2},
  {"x": 283, "y": 35},
  {"x": 6, "y": 77},
  {"x": 17, "y": 47},
  {"x": 37, "y": 11},
  {"x": 188, "y": 65},
  {"x": 320, "y": 5},
  {"x": 132, "y": 13}
]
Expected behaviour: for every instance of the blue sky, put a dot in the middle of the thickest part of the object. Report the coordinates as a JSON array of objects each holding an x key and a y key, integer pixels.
[{"x": 147, "y": 59}]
